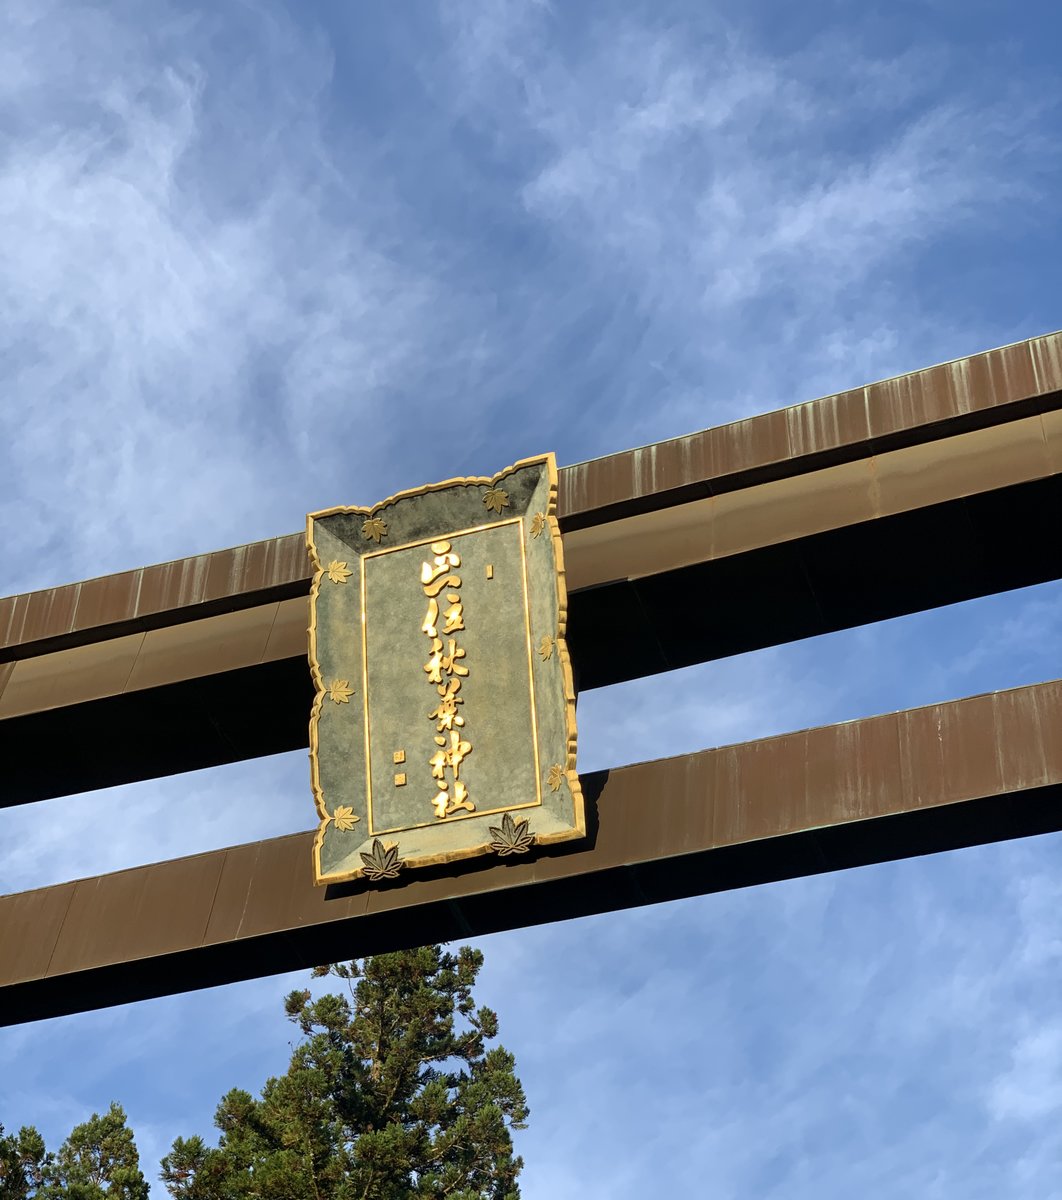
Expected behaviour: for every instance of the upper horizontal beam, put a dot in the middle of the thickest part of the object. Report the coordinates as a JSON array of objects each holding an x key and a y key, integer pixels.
[
  {"x": 969, "y": 393},
  {"x": 936, "y": 778},
  {"x": 917, "y": 526}
]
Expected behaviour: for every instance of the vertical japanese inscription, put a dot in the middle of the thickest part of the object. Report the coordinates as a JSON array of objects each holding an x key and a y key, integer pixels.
[{"x": 445, "y": 670}]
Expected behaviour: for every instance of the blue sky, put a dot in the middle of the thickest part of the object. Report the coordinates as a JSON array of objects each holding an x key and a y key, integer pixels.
[{"x": 261, "y": 258}]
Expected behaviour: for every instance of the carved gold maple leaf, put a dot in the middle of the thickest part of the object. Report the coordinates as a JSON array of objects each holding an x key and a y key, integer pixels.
[
  {"x": 344, "y": 817},
  {"x": 375, "y": 528},
  {"x": 382, "y": 862},
  {"x": 496, "y": 499},
  {"x": 339, "y": 572},
  {"x": 538, "y": 523},
  {"x": 340, "y": 691},
  {"x": 512, "y": 838},
  {"x": 545, "y": 648},
  {"x": 555, "y": 777}
]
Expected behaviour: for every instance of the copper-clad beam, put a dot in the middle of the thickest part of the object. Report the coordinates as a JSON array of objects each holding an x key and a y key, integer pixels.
[
  {"x": 985, "y": 389},
  {"x": 956, "y": 774},
  {"x": 967, "y": 393},
  {"x": 904, "y": 495},
  {"x": 910, "y": 529},
  {"x": 170, "y": 593}
]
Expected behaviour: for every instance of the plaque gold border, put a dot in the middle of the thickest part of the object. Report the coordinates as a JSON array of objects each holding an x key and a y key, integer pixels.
[{"x": 574, "y": 786}]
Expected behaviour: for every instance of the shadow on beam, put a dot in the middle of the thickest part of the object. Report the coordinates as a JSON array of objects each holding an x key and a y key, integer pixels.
[
  {"x": 973, "y": 771},
  {"x": 866, "y": 572},
  {"x": 975, "y": 822}
]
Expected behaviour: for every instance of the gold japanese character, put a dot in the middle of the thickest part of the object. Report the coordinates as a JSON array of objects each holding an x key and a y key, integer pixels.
[
  {"x": 445, "y": 669},
  {"x": 431, "y": 574},
  {"x": 460, "y": 800},
  {"x": 434, "y": 664},
  {"x": 449, "y": 757},
  {"x": 450, "y": 663},
  {"x": 431, "y": 621},
  {"x": 454, "y": 615},
  {"x": 446, "y": 713},
  {"x": 445, "y": 806},
  {"x": 448, "y": 581}
]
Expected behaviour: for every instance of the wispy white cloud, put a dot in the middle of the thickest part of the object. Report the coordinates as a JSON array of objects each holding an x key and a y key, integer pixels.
[
  {"x": 797, "y": 1040},
  {"x": 741, "y": 200},
  {"x": 1025, "y": 635},
  {"x": 190, "y": 285},
  {"x": 72, "y": 837},
  {"x": 749, "y": 696},
  {"x": 1031, "y": 1086},
  {"x": 612, "y": 232}
]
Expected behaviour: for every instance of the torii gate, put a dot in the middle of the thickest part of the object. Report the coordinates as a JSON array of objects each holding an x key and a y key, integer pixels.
[{"x": 923, "y": 490}]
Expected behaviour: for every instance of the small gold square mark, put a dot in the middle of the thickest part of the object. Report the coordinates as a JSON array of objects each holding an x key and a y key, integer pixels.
[
  {"x": 490, "y": 570},
  {"x": 400, "y": 779},
  {"x": 399, "y": 756}
]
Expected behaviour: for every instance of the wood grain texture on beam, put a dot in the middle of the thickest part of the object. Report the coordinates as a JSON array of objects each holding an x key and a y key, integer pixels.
[{"x": 967, "y": 772}]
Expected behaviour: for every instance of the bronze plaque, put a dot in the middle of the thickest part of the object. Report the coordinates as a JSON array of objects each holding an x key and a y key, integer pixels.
[{"x": 444, "y": 721}]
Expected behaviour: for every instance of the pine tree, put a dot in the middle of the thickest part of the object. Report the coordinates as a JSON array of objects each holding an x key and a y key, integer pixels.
[
  {"x": 23, "y": 1160},
  {"x": 98, "y": 1161},
  {"x": 392, "y": 1093}
]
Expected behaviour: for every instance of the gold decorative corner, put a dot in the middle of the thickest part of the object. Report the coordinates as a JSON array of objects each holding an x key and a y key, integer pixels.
[
  {"x": 512, "y": 837},
  {"x": 382, "y": 862}
]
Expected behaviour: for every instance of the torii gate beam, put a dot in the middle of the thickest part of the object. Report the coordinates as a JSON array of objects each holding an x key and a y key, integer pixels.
[
  {"x": 892, "y": 498},
  {"x": 901, "y": 496},
  {"x": 909, "y": 783}
]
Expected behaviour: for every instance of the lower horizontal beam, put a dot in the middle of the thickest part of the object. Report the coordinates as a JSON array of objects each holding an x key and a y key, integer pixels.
[{"x": 937, "y": 778}]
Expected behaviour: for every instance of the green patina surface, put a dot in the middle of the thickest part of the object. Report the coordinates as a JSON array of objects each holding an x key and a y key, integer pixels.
[{"x": 376, "y": 751}]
